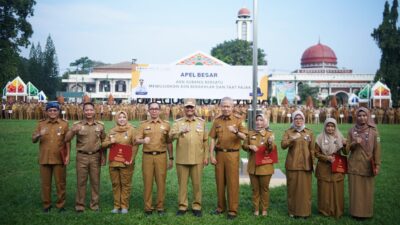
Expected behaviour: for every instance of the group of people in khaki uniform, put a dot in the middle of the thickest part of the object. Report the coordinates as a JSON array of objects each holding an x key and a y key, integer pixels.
[{"x": 192, "y": 154}]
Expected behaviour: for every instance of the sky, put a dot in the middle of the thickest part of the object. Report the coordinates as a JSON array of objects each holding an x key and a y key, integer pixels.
[{"x": 162, "y": 32}]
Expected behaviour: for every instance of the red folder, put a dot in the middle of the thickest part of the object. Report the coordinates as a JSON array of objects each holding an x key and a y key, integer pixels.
[
  {"x": 263, "y": 157},
  {"x": 120, "y": 153},
  {"x": 340, "y": 164}
]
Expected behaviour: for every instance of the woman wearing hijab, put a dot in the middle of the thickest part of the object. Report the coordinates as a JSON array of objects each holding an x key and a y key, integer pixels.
[
  {"x": 299, "y": 166},
  {"x": 260, "y": 176},
  {"x": 121, "y": 172},
  {"x": 363, "y": 145},
  {"x": 330, "y": 185}
]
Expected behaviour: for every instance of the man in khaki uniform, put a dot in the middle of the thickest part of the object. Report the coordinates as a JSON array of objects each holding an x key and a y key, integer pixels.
[
  {"x": 226, "y": 134},
  {"x": 191, "y": 155},
  {"x": 89, "y": 135},
  {"x": 50, "y": 133},
  {"x": 275, "y": 114},
  {"x": 153, "y": 134}
]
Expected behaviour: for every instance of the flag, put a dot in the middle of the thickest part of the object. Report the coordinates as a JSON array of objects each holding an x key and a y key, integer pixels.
[{"x": 365, "y": 93}]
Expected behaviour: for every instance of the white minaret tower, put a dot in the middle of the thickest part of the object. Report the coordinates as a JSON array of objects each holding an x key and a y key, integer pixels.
[{"x": 243, "y": 24}]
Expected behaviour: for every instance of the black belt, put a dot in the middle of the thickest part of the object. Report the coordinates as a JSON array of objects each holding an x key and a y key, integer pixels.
[
  {"x": 88, "y": 153},
  {"x": 154, "y": 153},
  {"x": 226, "y": 150}
]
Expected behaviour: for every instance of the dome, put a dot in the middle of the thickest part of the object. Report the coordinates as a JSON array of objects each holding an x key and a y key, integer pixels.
[
  {"x": 244, "y": 12},
  {"x": 318, "y": 56}
]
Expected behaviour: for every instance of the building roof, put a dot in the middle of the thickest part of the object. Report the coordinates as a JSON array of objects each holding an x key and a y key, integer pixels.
[
  {"x": 244, "y": 12},
  {"x": 317, "y": 56}
]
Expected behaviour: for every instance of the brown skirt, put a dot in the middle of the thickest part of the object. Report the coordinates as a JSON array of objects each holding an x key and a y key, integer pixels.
[
  {"x": 361, "y": 195},
  {"x": 331, "y": 198},
  {"x": 299, "y": 192}
]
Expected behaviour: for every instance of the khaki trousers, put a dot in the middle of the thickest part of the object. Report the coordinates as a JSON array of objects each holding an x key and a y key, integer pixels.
[
  {"x": 154, "y": 167},
  {"x": 184, "y": 173},
  {"x": 87, "y": 165},
  {"x": 121, "y": 179},
  {"x": 227, "y": 178},
  {"x": 46, "y": 173},
  {"x": 260, "y": 186}
]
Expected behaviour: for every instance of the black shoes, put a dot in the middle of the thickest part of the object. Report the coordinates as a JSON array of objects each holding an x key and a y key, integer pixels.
[
  {"x": 148, "y": 213},
  {"x": 61, "y": 210},
  {"x": 216, "y": 212},
  {"x": 47, "y": 210},
  {"x": 181, "y": 213},
  {"x": 161, "y": 212},
  {"x": 197, "y": 213},
  {"x": 231, "y": 217}
]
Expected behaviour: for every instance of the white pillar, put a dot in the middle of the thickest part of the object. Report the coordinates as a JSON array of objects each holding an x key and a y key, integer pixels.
[{"x": 97, "y": 88}]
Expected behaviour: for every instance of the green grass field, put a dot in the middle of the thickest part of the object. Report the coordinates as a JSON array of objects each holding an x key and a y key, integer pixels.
[{"x": 21, "y": 203}]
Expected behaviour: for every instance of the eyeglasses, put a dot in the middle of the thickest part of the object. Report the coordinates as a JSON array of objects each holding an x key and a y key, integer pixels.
[
  {"x": 298, "y": 118},
  {"x": 189, "y": 107},
  {"x": 52, "y": 110},
  {"x": 154, "y": 109}
]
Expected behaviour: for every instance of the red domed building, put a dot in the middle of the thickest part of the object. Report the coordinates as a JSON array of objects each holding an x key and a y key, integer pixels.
[{"x": 319, "y": 69}]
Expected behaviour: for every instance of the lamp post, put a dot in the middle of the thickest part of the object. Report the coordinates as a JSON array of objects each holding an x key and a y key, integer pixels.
[{"x": 251, "y": 122}]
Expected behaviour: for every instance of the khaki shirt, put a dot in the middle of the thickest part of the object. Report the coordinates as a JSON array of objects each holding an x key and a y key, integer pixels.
[
  {"x": 324, "y": 167},
  {"x": 157, "y": 130},
  {"x": 258, "y": 138},
  {"x": 126, "y": 138},
  {"x": 191, "y": 147},
  {"x": 89, "y": 137},
  {"x": 301, "y": 150},
  {"x": 220, "y": 131},
  {"x": 52, "y": 141},
  {"x": 359, "y": 161}
]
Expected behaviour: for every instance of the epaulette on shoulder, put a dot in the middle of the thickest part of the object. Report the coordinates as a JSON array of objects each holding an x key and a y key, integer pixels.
[
  {"x": 268, "y": 129},
  {"x": 143, "y": 121},
  {"x": 41, "y": 120},
  {"x": 237, "y": 116},
  {"x": 76, "y": 122},
  {"x": 100, "y": 122},
  {"x": 201, "y": 119},
  {"x": 179, "y": 119},
  {"x": 65, "y": 120},
  {"x": 166, "y": 121}
]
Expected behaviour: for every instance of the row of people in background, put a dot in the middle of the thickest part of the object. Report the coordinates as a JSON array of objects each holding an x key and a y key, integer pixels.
[
  {"x": 274, "y": 114},
  {"x": 193, "y": 153}
]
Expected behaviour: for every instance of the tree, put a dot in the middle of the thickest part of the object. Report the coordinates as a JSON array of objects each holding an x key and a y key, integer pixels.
[
  {"x": 15, "y": 31},
  {"x": 84, "y": 65},
  {"x": 50, "y": 69},
  {"x": 237, "y": 52},
  {"x": 387, "y": 37},
  {"x": 305, "y": 91}
]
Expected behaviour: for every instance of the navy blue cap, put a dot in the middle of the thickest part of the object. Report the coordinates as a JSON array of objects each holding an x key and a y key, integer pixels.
[{"x": 52, "y": 105}]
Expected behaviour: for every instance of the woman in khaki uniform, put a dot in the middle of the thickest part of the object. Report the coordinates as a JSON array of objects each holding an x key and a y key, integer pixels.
[
  {"x": 260, "y": 176},
  {"x": 299, "y": 166},
  {"x": 330, "y": 185},
  {"x": 363, "y": 145},
  {"x": 121, "y": 173}
]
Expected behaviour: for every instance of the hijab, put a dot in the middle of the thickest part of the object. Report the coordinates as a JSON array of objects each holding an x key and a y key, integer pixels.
[
  {"x": 367, "y": 132},
  {"x": 330, "y": 143},
  {"x": 294, "y": 114},
  {"x": 121, "y": 128}
]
